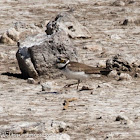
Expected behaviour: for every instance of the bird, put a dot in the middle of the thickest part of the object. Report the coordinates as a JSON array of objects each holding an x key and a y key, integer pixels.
[{"x": 78, "y": 71}]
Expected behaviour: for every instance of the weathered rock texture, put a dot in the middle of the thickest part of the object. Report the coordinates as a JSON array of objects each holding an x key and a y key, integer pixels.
[
  {"x": 19, "y": 31},
  {"x": 124, "y": 64},
  {"x": 67, "y": 22},
  {"x": 26, "y": 66},
  {"x": 119, "y": 63},
  {"x": 23, "y": 127},
  {"x": 50, "y": 126},
  {"x": 39, "y": 59},
  {"x": 44, "y": 55}
]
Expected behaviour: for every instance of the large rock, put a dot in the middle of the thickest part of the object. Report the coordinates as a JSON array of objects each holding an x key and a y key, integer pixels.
[
  {"x": 67, "y": 22},
  {"x": 37, "y": 55}
]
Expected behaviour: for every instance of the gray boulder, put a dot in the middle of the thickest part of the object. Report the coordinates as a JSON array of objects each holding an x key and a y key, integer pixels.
[
  {"x": 37, "y": 55},
  {"x": 67, "y": 22}
]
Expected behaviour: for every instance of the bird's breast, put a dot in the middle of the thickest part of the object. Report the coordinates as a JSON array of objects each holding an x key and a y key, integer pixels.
[{"x": 80, "y": 75}]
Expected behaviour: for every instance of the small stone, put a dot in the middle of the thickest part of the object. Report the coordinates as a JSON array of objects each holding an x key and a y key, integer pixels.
[
  {"x": 10, "y": 36},
  {"x": 125, "y": 120},
  {"x": 114, "y": 74},
  {"x": 120, "y": 63},
  {"x": 91, "y": 93},
  {"x": 1, "y": 109},
  {"x": 5, "y": 39},
  {"x": 125, "y": 22},
  {"x": 93, "y": 48},
  {"x": 85, "y": 48},
  {"x": 47, "y": 86},
  {"x": 55, "y": 126},
  {"x": 13, "y": 34},
  {"x": 131, "y": 2},
  {"x": 58, "y": 137},
  {"x": 24, "y": 127},
  {"x": 137, "y": 75},
  {"x": 19, "y": 30},
  {"x": 125, "y": 76},
  {"x": 118, "y": 3},
  {"x": 3, "y": 55},
  {"x": 29, "y": 109},
  {"x": 115, "y": 37},
  {"x": 91, "y": 138},
  {"x": 31, "y": 81},
  {"x": 98, "y": 118},
  {"x": 13, "y": 68},
  {"x": 130, "y": 122},
  {"x": 102, "y": 64},
  {"x": 85, "y": 88},
  {"x": 119, "y": 118},
  {"x": 96, "y": 4},
  {"x": 17, "y": 130}
]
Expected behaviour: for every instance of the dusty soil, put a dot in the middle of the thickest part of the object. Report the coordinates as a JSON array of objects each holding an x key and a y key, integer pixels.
[{"x": 94, "y": 112}]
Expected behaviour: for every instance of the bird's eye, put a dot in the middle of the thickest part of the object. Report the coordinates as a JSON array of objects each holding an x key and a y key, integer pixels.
[{"x": 62, "y": 61}]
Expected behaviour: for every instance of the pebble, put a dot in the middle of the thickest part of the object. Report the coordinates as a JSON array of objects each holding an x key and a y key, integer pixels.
[
  {"x": 93, "y": 48},
  {"x": 115, "y": 37},
  {"x": 47, "y": 86},
  {"x": 58, "y": 137},
  {"x": 101, "y": 63},
  {"x": 31, "y": 81},
  {"x": 91, "y": 138},
  {"x": 3, "y": 55},
  {"x": 55, "y": 126},
  {"x": 125, "y": 76},
  {"x": 125, "y": 22},
  {"x": 22, "y": 127},
  {"x": 118, "y": 3},
  {"x": 125, "y": 120}
]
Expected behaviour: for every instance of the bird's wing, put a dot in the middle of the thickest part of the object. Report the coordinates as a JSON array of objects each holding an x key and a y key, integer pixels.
[{"x": 75, "y": 66}]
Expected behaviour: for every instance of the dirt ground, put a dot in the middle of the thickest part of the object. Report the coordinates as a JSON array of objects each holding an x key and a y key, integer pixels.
[{"x": 92, "y": 115}]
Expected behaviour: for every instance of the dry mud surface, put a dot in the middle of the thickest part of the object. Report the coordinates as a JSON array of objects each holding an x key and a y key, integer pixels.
[{"x": 92, "y": 115}]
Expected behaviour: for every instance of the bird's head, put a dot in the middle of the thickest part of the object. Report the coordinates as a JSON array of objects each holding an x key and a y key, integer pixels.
[{"x": 61, "y": 62}]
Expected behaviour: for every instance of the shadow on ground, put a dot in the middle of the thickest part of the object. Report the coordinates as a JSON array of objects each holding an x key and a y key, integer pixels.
[{"x": 16, "y": 75}]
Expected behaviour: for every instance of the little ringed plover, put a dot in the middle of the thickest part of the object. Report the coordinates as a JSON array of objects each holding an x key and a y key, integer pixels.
[{"x": 79, "y": 71}]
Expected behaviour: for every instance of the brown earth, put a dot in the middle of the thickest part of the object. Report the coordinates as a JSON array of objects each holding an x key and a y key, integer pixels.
[{"x": 93, "y": 112}]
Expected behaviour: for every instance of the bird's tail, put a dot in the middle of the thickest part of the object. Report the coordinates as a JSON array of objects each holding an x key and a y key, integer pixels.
[{"x": 105, "y": 71}]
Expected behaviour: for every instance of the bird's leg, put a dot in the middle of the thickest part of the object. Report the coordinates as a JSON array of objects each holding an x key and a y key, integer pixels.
[
  {"x": 69, "y": 85},
  {"x": 73, "y": 84},
  {"x": 78, "y": 84}
]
